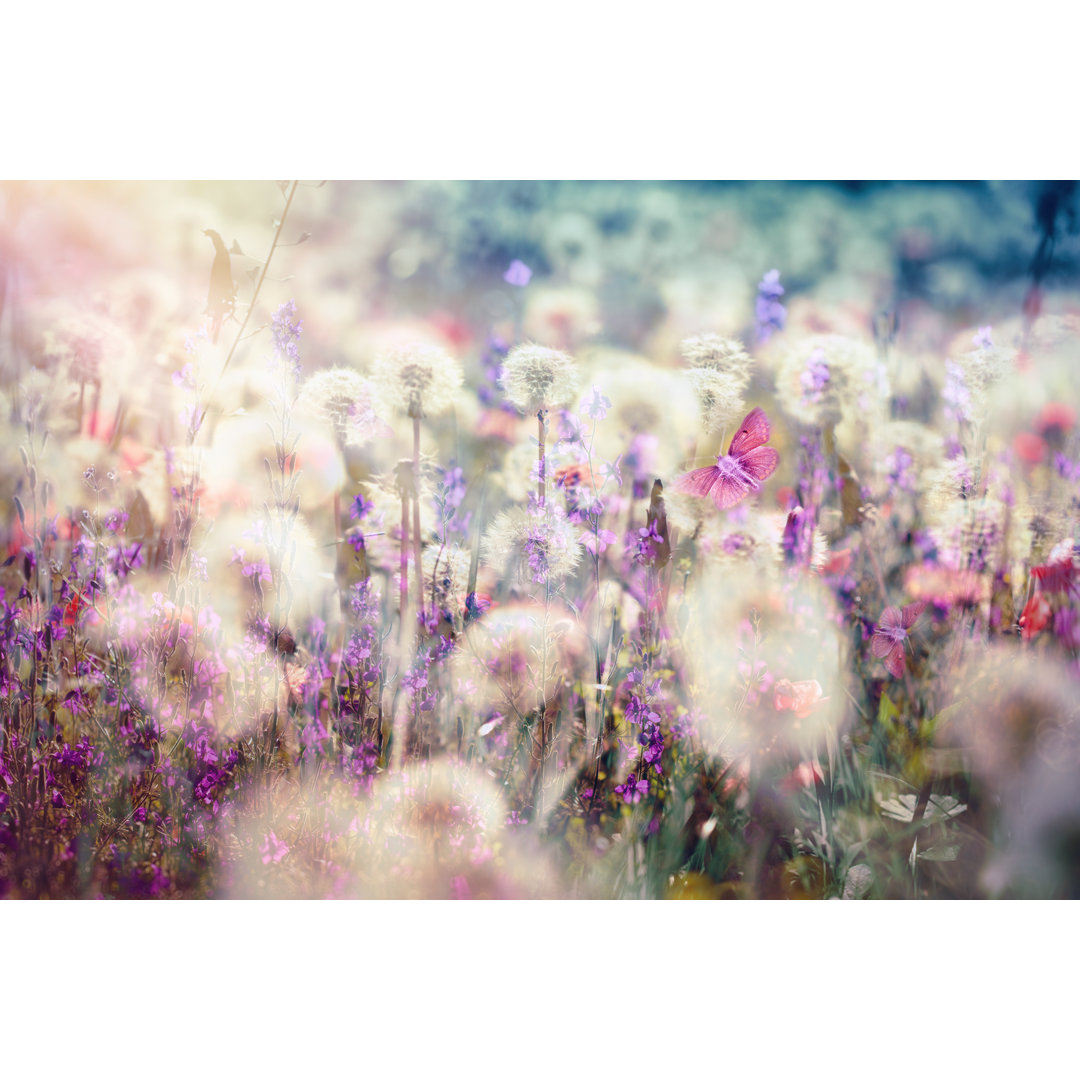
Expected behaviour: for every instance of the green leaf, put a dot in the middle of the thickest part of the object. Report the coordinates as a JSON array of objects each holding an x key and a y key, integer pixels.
[
  {"x": 888, "y": 713},
  {"x": 941, "y": 718}
]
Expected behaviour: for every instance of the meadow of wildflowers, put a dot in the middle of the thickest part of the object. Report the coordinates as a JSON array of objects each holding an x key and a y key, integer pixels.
[{"x": 534, "y": 540}]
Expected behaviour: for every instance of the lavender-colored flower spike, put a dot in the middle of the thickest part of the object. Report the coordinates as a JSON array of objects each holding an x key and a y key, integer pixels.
[
  {"x": 769, "y": 314},
  {"x": 518, "y": 274},
  {"x": 287, "y": 328}
]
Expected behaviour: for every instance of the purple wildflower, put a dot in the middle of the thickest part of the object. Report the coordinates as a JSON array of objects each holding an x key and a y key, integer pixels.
[
  {"x": 596, "y": 405},
  {"x": 286, "y": 329},
  {"x": 596, "y": 543},
  {"x": 360, "y": 507},
  {"x": 815, "y": 378},
  {"x": 769, "y": 314},
  {"x": 633, "y": 790},
  {"x": 518, "y": 274},
  {"x": 956, "y": 395},
  {"x": 898, "y": 465},
  {"x": 448, "y": 499}
]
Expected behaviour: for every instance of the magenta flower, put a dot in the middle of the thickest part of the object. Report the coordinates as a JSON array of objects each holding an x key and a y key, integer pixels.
[
  {"x": 888, "y": 641},
  {"x": 633, "y": 789},
  {"x": 273, "y": 849}
]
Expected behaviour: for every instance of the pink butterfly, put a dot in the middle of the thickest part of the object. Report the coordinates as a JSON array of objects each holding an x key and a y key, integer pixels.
[
  {"x": 888, "y": 641},
  {"x": 739, "y": 472}
]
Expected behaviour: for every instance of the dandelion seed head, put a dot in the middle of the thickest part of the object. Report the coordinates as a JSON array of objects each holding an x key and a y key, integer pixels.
[
  {"x": 718, "y": 394},
  {"x": 501, "y": 661},
  {"x": 985, "y": 367},
  {"x": 753, "y": 542},
  {"x": 943, "y": 485},
  {"x": 970, "y": 536},
  {"x": 343, "y": 399},
  {"x": 856, "y": 390},
  {"x": 418, "y": 379},
  {"x": 87, "y": 345},
  {"x": 716, "y": 353},
  {"x": 537, "y": 378},
  {"x": 446, "y": 576},
  {"x": 540, "y": 548}
]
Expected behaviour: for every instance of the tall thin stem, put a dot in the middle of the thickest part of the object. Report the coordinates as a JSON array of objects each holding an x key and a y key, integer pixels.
[
  {"x": 417, "y": 568},
  {"x": 251, "y": 306},
  {"x": 404, "y": 590},
  {"x": 541, "y": 484}
]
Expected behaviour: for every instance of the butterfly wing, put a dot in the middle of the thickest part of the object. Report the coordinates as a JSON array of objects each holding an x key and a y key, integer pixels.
[
  {"x": 755, "y": 430},
  {"x": 911, "y": 613},
  {"x": 891, "y": 619},
  {"x": 730, "y": 489},
  {"x": 881, "y": 646},
  {"x": 895, "y": 660},
  {"x": 760, "y": 463},
  {"x": 696, "y": 482}
]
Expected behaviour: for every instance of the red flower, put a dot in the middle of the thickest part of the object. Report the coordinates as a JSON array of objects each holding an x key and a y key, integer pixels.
[
  {"x": 1035, "y": 616},
  {"x": 1055, "y": 414},
  {"x": 838, "y": 562},
  {"x": 572, "y": 476},
  {"x": 1030, "y": 448},
  {"x": 1057, "y": 576},
  {"x": 802, "y": 698},
  {"x": 71, "y": 611}
]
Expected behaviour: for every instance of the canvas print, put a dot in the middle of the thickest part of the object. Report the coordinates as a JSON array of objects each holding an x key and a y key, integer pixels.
[{"x": 539, "y": 540}]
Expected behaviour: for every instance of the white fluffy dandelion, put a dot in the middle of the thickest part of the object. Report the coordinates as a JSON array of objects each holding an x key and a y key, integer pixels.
[
  {"x": 343, "y": 399},
  {"x": 718, "y": 393},
  {"x": 419, "y": 380},
  {"x": 537, "y": 378},
  {"x": 720, "y": 354},
  {"x": 542, "y": 548}
]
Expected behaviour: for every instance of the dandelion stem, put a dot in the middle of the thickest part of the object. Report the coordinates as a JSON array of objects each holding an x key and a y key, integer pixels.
[
  {"x": 541, "y": 484},
  {"x": 417, "y": 568},
  {"x": 404, "y": 590}
]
